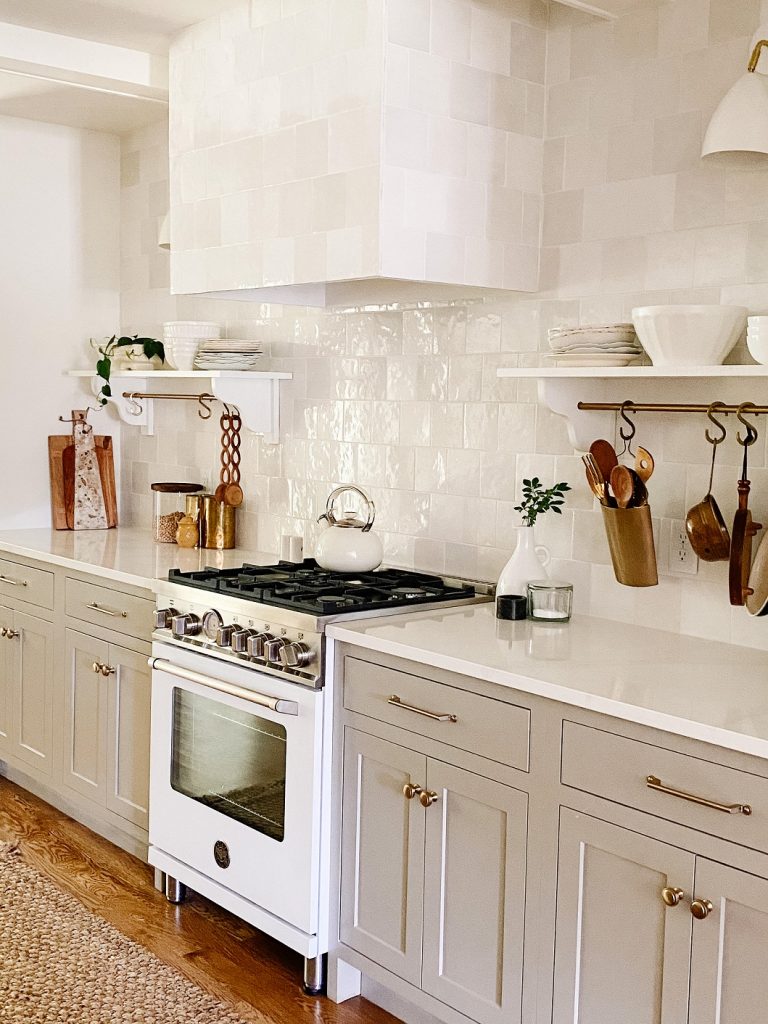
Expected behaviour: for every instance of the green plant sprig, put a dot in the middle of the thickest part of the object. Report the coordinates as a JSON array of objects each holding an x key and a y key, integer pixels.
[
  {"x": 150, "y": 347},
  {"x": 538, "y": 499}
]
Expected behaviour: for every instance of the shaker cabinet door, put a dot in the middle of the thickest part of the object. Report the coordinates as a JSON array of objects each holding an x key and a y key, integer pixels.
[
  {"x": 85, "y": 711},
  {"x": 474, "y": 894},
  {"x": 382, "y": 872},
  {"x": 729, "y": 981},
  {"x": 9, "y": 649},
  {"x": 32, "y": 712},
  {"x": 127, "y": 739},
  {"x": 621, "y": 954}
]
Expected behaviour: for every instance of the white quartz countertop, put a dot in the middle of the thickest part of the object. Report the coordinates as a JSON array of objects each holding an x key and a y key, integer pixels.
[
  {"x": 702, "y": 689},
  {"x": 123, "y": 555}
]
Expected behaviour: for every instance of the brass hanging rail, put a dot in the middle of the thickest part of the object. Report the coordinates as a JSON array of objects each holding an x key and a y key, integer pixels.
[
  {"x": 751, "y": 410},
  {"x": 204, "y": 400}
]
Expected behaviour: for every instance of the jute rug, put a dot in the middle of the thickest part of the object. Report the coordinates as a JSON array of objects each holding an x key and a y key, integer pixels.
[{"x": 60, "y": 964}]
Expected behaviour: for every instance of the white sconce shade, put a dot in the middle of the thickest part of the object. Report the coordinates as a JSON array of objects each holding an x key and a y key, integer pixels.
[
  {"x": 164, "y": 233},
  {"x": 740, "y": 123}
]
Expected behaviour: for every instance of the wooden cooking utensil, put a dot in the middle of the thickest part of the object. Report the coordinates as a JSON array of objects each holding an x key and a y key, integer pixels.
[
  {"x": 605, "y": 456},
  {"x": 596, "y": 483},
  {"x": 744, "y": 529},
  {"x": 622, "y": 485},
  {"x": 233, "y": 493},
  {"x": 644, "y": 464}
]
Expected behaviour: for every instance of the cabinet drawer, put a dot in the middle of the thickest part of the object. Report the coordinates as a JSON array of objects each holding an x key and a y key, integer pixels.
[
  {"x": 32, "y": 585},
  {"x": 109, "y": 608},
  {"x": 618, "y": 769},
  {"x": 482, "y": 725}
]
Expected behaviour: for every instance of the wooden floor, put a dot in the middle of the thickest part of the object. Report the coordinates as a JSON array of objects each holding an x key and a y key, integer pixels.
[{"x": 220, "y": 953}]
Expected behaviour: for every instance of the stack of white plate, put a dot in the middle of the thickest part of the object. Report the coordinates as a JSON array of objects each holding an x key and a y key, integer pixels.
[
  {"x": 181, "y": 339},
  {"x": 594, "y": 345},
  {"x": 228, "y": 354},
  {"x": 757, "y": 338}
]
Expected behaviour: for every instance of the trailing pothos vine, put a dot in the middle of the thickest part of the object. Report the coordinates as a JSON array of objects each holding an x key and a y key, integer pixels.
[{"x": 149, "y": 346}]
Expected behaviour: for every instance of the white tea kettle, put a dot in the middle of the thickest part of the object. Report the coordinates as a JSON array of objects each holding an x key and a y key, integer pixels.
[{"x": 348, "y": 545}]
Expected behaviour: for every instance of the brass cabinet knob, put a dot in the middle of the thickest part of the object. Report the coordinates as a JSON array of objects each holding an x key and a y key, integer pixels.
[
  {"x": 10, "y": 634},
  {"x": 410, "y": 791},
  {"x": 108, "y": 670},
  {"x": 427, "y": 798},
  {"x": 701, "y": 909},
  {"x": 672, "y": 895},
  {"x": 96, "y": 667}
]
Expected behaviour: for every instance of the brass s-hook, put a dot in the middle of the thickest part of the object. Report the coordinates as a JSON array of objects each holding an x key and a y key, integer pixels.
[
  {"x": 751, "y": 430},
  {"x": 627, "y": 438},
  {"x": 204, "y": 401},
  {"x": 720, "y": 426}
]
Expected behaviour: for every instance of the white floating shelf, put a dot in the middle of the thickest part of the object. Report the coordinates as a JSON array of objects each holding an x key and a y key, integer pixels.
[
  {"x": 561, "y": 388},
  {"x": 632, "y": 372},
  {"x": 255, "y": 393}
]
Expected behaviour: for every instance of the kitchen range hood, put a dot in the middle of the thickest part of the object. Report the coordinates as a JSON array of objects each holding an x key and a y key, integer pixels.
[{"x": 344, "y": 152}]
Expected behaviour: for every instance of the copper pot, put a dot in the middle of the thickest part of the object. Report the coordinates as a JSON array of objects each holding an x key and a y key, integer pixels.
[{"x": 705, "y": 525}]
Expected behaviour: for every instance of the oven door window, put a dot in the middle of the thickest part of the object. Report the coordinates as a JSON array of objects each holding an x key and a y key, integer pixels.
[{"x": 230, "y": 760}]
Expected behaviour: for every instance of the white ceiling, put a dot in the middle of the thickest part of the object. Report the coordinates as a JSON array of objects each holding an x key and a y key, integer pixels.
[{"x": 139, "y": 24}]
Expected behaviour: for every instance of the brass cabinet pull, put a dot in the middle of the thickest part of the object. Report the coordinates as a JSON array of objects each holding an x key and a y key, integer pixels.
[
  {"x": 10, "y": 634},
  {"x": 96, "y": 667},
  {"x": 434, "y": 715},
  {"x": 701, "y": 909},
  {"x": 671, "y": 895},
  {"x": 107, "y": 611},
  {"x": 410, "y": 790},
  {"x": 428, "y": 797},
  {"x": 108, "y": 670},
  {"x": 654, "y": 783},
  {"x": 12, "y": 582}
]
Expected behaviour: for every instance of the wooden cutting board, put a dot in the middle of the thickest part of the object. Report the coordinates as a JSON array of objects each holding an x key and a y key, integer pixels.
[{"x": 61, "y": 463}]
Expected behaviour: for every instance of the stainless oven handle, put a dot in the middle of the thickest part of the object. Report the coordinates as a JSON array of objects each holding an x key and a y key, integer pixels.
[{"x": 282, "y": 707}]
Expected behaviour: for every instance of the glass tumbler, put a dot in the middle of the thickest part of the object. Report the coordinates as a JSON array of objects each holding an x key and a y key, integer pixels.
[{"x": 550, "y": 600}]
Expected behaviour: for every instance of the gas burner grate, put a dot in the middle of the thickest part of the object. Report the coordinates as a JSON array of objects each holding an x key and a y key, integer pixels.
[{"x": 306, "y": 587}]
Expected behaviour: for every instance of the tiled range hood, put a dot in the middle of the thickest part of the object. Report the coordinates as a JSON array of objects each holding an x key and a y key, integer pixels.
[{"x": 329, "y": 152}]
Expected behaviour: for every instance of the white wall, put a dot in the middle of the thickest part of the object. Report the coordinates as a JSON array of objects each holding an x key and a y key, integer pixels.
[{"x": 59, "y": 285}]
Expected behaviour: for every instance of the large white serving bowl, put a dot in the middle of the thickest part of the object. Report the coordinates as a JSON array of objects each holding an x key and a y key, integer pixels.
[
  {"x": 689, "y": 335},
  {"x": 758, "y": 347},
  {"x": 180, "y": 353}
]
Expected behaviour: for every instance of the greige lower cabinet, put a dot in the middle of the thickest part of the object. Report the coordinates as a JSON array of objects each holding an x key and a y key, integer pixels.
[
  {"x": 106, "y": 725},
  {"x": 26, "y": 675},
  {"x": 433, "y": 875},
  {"x": 624, "y": 954}
]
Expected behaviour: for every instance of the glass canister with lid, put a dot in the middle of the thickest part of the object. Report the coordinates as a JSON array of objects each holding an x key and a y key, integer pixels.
[{"x": 169, "y": 508}]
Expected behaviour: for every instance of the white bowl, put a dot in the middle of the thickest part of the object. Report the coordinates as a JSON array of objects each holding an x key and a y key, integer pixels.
[
  {"x": 689, "y": 335},
  {"x": 191, "y": 329},
  {"x": 758, "y": 347},
  {"x": 757, "y": 323},
  {"x": 180, "y": 352}
]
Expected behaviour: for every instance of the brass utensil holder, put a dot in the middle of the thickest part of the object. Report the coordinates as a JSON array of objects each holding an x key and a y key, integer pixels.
[
  {"x": 630, "y": 540},
  {"x": 218, "y": 524}
]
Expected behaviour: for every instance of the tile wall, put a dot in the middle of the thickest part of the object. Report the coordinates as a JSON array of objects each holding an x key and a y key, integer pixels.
[{"x": 407, "y": 403}]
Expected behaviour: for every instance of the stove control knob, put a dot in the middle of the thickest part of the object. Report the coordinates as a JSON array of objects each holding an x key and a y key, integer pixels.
[
  {"x": 256, "y": 645},
  {"x": 296, "y": 655},
  {"x": 186, "y": 625},
  {"x": 273, "y": 648},
  {"x": 163, "y": 617},
  {"x": 224, "y": 636},
  {"x": 240, "y": 639}
]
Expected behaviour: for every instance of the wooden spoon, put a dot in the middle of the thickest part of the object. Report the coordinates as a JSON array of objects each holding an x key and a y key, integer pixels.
[
  {"x": 622, "y": 485},
  {"x": 605, "y": 456},
  {"x": 644, "y": 464}
]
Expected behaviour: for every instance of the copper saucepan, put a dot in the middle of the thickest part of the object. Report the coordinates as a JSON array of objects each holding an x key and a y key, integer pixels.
[{"x": 704, "y": 522}]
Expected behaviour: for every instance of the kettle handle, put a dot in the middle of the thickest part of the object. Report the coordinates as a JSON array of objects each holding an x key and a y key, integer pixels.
[{"x": 329, "y": 516}]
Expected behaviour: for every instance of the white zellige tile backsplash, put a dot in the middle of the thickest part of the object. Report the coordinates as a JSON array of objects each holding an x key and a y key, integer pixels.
[{"x": 407, "y": 404}]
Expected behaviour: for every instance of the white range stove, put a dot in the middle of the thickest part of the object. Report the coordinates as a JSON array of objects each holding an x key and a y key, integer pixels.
[{"x": 241, "y": 756}]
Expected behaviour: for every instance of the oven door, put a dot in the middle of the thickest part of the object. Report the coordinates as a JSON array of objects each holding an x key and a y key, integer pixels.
[{"x": 235, "y": 784}]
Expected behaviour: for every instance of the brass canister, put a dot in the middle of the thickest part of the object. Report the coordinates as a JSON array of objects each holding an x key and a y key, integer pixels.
[
  {"x": 217, "y": 524},
  {"x": 630, "y": 540}
]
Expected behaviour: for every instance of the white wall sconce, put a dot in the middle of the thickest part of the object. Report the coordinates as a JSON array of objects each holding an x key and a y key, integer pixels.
[
  {"x": 739, "y": 127},
  {"x": 164, "y": 233}
]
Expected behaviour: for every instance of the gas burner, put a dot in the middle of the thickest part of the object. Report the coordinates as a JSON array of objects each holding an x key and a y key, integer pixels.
[{"x": 306, "y": 587}]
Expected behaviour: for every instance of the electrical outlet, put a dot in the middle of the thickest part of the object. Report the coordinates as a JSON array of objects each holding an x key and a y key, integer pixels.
[{"x": 682, "y": 559}]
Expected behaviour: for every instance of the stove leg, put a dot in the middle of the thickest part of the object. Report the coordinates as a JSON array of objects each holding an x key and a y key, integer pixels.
[
  {"x": 314, "y": 974},
  {"x": 175, "y": 891},
  {"x": 159, "y": 880}
]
